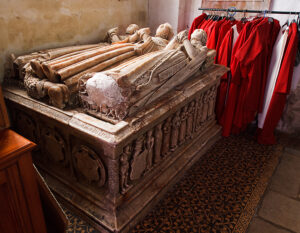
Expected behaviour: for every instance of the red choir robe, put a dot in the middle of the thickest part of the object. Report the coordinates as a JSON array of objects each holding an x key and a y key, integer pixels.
[
  {"x": 224, "y": 58},
  {"x": 254, "y": 56},
  {"x": 249, "y": 66},
  {"x": 225, "y": 27},
  {"x": 228, "y": 112},
  {"x": 282, "y": 89},
  {"x": 206, "y": 25},
  {"x": 213, "y": 37},
  {"x": 196, "y": 23}
]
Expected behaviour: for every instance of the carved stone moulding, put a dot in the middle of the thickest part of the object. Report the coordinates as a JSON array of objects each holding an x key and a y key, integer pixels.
[{"x": 112, "y": 174}]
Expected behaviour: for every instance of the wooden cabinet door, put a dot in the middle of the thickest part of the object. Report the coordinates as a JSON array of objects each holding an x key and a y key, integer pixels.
[
  {"x": 13, "y": 215},
  {"x": 20, "y": 205}
]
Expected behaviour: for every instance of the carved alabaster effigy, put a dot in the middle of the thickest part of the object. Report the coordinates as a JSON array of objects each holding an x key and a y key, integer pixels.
[
  {"x": 56, "y": 77},
  {"x": 124, "y": 90},
  {"x": 131, "y": 36}
]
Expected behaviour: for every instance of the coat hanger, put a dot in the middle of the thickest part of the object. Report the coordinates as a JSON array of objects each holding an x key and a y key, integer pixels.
[
  {"x": 294, "y": 20},
  {"x": 231, "y": 13},
  {"x": 270, "y": 19},
  {"x": 216, "y": 17},
  {"x": 213, "y": 16},
  {"x": 244, "y": 19},
  {"x": 298, "y": 22},
  {"x": 287, "y": 23}
]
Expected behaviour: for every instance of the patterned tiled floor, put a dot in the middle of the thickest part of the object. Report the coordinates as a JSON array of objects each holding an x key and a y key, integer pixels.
[{"x": 218, "y": 194}]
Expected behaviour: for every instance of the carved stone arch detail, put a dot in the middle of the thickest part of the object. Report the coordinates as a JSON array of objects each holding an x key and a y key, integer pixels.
[{"x": 88, "y": 165}]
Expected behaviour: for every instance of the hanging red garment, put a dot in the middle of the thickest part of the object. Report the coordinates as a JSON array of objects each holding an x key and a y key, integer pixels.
[
  {"x": 203, "y": 24},
  {"x": 195, "y": 24},
  {"x": 282, "y": 89},
  {"x": 272, "y": 39},
  {"x": 275, "y": 64},
  {"x": 212, "y": 39},
  {"x": 210, "y": 29},
  {"x": 224, "y": 58},
  {"x": 254, "y": 56},
  {"x": 224, "y": 28},
  {"x": 234, "y": 88},
  {"x": 206, "y": 26}
]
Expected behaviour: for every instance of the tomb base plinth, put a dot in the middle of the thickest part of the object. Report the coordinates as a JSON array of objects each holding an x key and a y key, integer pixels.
[{"x": 112, "y": 174}]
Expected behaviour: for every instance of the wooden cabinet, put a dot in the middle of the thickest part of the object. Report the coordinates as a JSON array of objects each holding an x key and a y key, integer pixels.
[
  {"x": 20, "y": 205},
  {"x": 4, "y": 121}
]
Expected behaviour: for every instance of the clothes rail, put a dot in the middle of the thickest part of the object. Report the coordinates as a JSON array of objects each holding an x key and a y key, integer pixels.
[{"x": 251, "y": 11}]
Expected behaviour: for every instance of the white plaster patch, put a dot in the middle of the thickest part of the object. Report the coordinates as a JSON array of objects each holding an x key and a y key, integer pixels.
[{"x": 103, "y": 89}]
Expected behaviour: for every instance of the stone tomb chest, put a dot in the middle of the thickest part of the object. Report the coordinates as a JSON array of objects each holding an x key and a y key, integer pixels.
[{"x": 112, "y": 174}]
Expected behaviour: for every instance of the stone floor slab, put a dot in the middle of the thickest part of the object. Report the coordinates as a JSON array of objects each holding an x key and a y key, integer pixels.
[
  {"x": 286, "y": 179},
  {"x": 281, "y": 210},
  {"x": 293, "y": 151},
  {"x": 258, "y": 225}
]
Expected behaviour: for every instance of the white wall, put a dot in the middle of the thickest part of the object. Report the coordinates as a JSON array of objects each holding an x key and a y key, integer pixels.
[
  {"x": 181, "y": 13},
  {"x": 191, "y": 11},
  {"x": 284, "y": 5},
  {"x": 162, "y": 11},
  {"x": 291, "y": 5},
  {"x": 30, "y": 25}
]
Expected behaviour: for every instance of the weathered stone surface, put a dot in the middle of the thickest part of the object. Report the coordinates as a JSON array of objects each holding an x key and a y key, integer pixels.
[{"x": 281, "y": 210}]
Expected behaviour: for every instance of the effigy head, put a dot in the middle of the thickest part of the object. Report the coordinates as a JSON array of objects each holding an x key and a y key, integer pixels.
[
  {"x": 165, "y": 31},
  {"x": 132, "y": 28},
  {"x": 144, "y": 31},
  {"x": 199, "y": 38}
]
